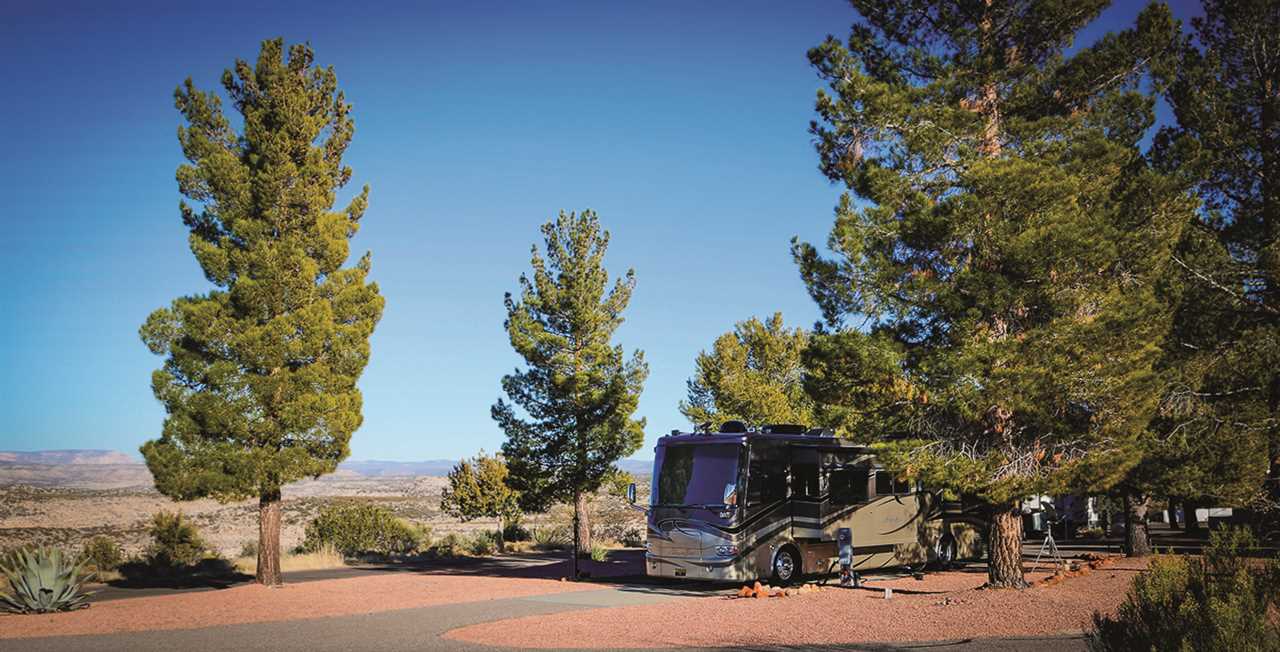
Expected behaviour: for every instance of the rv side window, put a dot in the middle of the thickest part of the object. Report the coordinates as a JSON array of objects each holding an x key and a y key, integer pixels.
[
  {"x": 849, "y": 485},
  {"x": 886, "y": 485},
  {"x": 804, "y": 474},
  {"x": 766, "y": 480}
]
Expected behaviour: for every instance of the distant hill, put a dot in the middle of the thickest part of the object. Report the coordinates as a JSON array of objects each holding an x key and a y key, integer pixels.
[
  {"x": 381, "y": 468},
  {"x": 85, "y": 456},
  {"x": 104, "y": 469},
  {"x": 636, "y": 467}
]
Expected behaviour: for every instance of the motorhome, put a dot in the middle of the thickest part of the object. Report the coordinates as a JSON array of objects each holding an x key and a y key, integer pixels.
[{"x": 741, "y": 504}]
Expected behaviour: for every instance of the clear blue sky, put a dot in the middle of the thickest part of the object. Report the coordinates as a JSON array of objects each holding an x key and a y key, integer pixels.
[{"x": 682, "y": 123}]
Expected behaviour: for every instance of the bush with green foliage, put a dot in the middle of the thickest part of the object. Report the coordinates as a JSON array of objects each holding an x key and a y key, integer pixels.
[
  {"x": 1219, "y": 601},
  {"x": 599, "y": 552},
  {"x": 447, "y": 546},
  {"x": 249, "y": 548},
  {"x": 482, "y": 544},
  {"x": 361, "y": 528},
  {"x": 102, "y": 554},
  {"x": 175, "y": 542},
  {"x": 43, "y": 580},
  {"x": 633, "y": 538},
  {"x": 515, "y": 532},
  {"x": 552, "y": 538}
]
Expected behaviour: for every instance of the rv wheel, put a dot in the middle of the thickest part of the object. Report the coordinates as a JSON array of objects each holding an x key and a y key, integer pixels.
[
  {"x": 944, "y": 551},
  {"x": 786, "y": 566}
]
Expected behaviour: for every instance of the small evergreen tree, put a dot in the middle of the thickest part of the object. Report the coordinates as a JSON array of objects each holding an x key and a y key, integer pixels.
[
  {"x": 752, "y": 374},
  {"x": 478, "y": 489},
  {"x": 578, "y": 390},
  {"x": 259, "y": 382},
  {"x": 1008, "y": 248}
]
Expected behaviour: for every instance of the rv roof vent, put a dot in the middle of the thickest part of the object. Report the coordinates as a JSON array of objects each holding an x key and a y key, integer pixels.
[
  {"x": 783, "y": 429},
  {"x": 820, "y": 432},
  {"x": 733, "y": 427}
]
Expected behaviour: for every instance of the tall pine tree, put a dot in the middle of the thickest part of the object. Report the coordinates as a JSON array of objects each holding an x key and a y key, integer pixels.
[
  {"x": 1226, "y": 97},
  {"x": 259, "y": 382},
  {"x": 578, "y": 391},
  {"x": 1007, "y": 244}
]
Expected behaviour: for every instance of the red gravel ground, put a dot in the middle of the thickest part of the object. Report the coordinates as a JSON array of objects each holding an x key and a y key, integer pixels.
[
  {"x": 252, "y": 603},
  {"x": 945, "y": 606}
]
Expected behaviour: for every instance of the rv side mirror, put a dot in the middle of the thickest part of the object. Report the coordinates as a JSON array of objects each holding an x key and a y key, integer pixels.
[{"x": 631, "y": 493}]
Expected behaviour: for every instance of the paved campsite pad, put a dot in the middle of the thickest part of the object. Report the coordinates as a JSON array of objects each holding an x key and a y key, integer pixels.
[
  {"x": 424, "y": 610},
  {"x": 251, "y": 603},
  {"x": 945, "y": 606},
  {"x": 419, "y": 629}
]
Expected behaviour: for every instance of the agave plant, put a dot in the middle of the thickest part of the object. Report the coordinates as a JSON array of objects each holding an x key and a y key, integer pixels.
[{"x": 43, "y": 580}]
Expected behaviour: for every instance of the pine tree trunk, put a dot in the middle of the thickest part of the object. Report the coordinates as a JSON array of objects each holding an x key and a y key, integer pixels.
[
  {"x": 1176, "y": 523},
  {"x": 1004, "y": 566},
  {"x": 502, "y": 526},
  {"x": 1137, "y": 538},
  {"x": 269, "y": 539},
  {"x": 1193, "y": 523},
  {"x": 582, "y": 521}
]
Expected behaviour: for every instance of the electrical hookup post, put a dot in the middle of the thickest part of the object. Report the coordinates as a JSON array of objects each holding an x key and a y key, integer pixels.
[{"x": 844, "y": 544}]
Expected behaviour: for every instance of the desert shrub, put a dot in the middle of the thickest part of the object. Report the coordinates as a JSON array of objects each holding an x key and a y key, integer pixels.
[
  {"x": 512, "y": 532},
  {"x": 102, "y": 554},
  {"x": 177, "y": 553},
  {"x": 297, "y": 560},
  {"x": 422, "y": 534},
  {"x": 612, "y": 518},
  {"x": 249, "y": 548},
  {"x": 1090, "y": 533},
  {"x": 175, "y": 542},
  {"x": 633, "y": 537},
  {"x": 599, "y": 552},
  {"x": 43, "y": 580},
  {"x": 447, "y": 546},
  {"x": 552, "y": 538},
  {"x": 359, "y": 528},
  {"x": 1218, "y": 601},
  {"x": 481, "y": 544}
]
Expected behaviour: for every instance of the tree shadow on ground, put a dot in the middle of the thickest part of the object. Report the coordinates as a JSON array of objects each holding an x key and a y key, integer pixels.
[{"x": 205, "y": 574}]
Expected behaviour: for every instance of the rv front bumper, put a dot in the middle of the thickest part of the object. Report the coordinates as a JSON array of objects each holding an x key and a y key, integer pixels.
[{"x": 728, "y": 570}]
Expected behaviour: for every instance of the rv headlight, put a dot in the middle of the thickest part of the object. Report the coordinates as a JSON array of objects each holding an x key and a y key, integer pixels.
[{"x": 727, "y": 551}]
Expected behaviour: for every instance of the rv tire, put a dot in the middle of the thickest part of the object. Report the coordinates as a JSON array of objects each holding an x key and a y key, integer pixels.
[
  {"x": 786, "y": 566},
  {"x": 945, "y": 552}
]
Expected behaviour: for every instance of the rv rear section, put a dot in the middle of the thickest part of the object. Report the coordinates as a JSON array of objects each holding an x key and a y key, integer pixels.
[{"x": 739, "y": 506}]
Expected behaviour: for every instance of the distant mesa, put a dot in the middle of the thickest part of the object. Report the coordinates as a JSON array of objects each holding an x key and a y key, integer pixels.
[
  {"x": 59, "y": 457},
  {"x": 380, "y": 468},
  {"x": 107, "y": 469}
]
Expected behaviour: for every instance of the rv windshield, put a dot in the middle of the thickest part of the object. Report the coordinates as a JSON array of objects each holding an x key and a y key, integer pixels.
[{"x": 697, "y": 475}]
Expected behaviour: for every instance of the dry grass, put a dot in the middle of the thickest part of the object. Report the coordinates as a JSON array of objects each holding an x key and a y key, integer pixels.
[{"x": 326, "y": 557}]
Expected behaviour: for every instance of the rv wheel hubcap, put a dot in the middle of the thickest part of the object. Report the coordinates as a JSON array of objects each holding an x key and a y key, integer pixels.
[
  {"x": 784, "y": 565},
  {"x": 945, "y": 552}
]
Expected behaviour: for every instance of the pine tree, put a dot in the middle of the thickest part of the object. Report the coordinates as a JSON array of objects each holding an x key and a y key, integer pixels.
[
  {"x": 1008, "y": 242},
  {"x": 578, "y": 391},
  {"x": 752, "y": 374},
  {"x": 478, "y": 489},
  {"x": 259, "y": 382},
  {"x": 1226, "y": 97}
]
